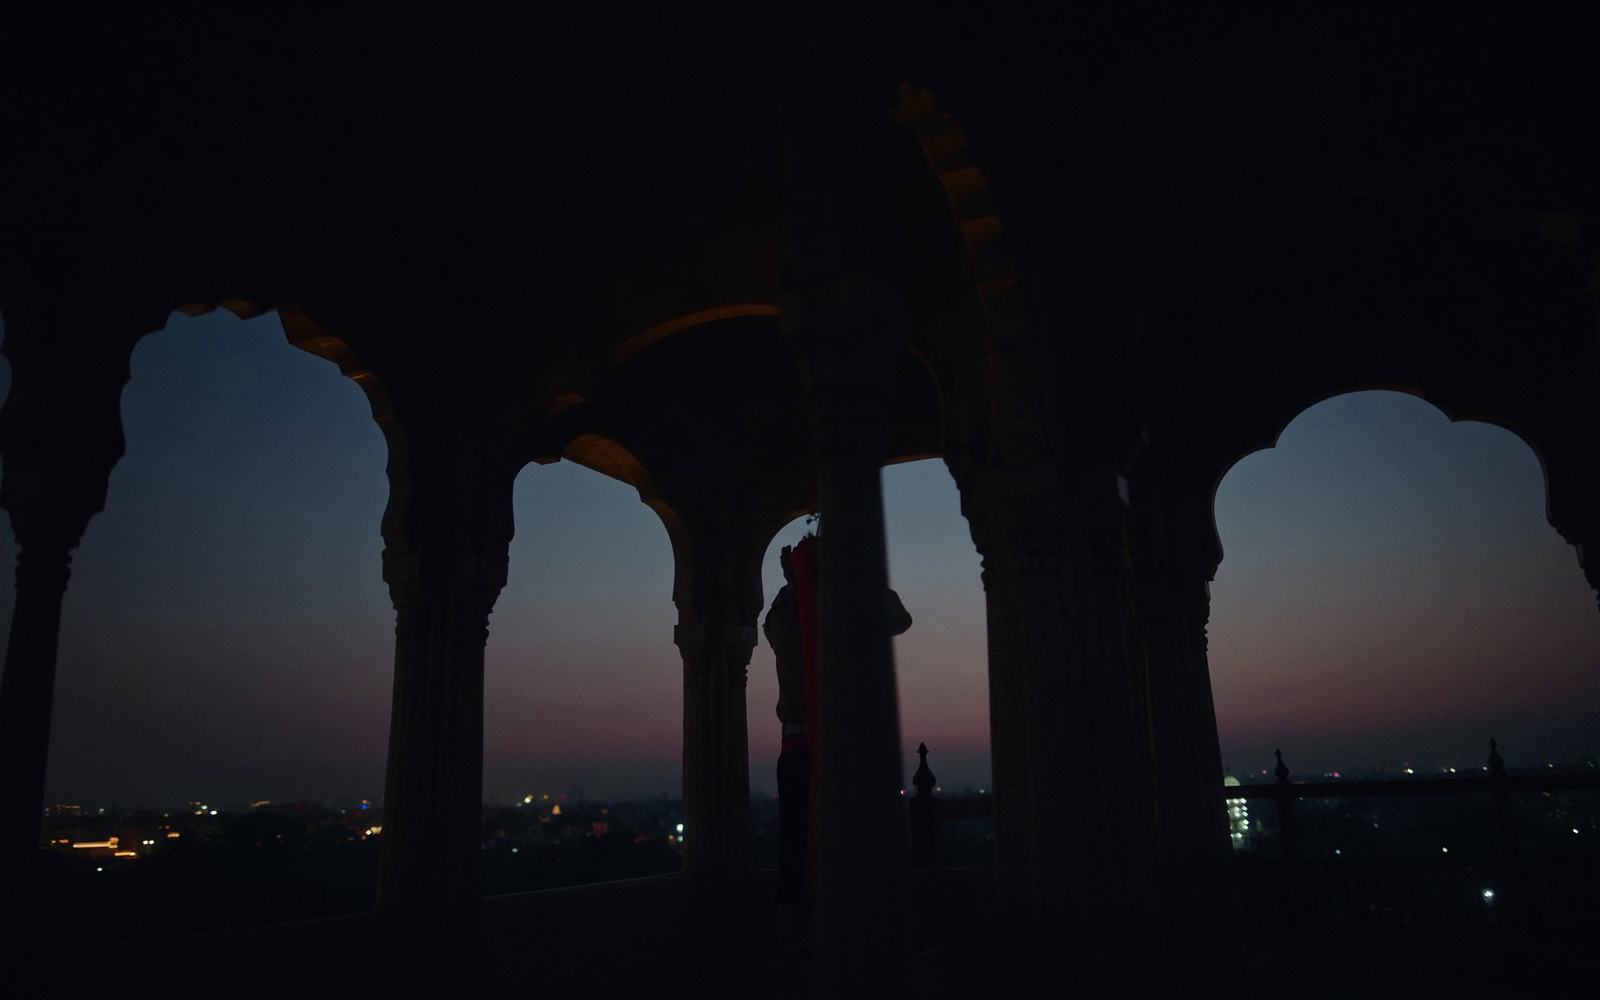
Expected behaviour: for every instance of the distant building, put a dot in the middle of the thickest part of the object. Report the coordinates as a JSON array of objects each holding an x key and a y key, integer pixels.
[{"x": 1238, "y": 815}]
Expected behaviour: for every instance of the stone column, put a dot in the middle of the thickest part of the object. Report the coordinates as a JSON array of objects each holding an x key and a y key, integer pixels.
[
  {"x": 60, "y": 434},
  {"x": 1071, "y": 812},
  {"x": 447, "y": 534},
  {"x": 716, "y": 754},
  {"x": 1572, "y": 482},
  {"x": 1175, "y": 556},
  {"x": 26, "y": 695},
  {"x": 1011, "y": 515},
  {"x": 717, "y": 590},
  {"x": 843, "y": 311},
  {"x": 716, "y": 800},
  {"x": 861, "y": 935}
]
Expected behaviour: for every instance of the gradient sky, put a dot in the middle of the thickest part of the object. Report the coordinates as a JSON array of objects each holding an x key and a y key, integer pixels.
[{"x": 1391, "y": 593}]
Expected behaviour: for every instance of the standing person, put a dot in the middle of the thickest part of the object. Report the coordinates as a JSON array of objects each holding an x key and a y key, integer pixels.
[
  {"x": 790, "y": 628},
  {"x": 783, "y": 630}
]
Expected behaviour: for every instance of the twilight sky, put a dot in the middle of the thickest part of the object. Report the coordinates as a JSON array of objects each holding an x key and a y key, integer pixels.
[{"x": 1391, "y": 593}]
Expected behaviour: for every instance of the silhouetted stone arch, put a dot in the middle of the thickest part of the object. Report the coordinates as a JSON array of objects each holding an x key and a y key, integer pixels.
[
  {"x": 979, "y": 338},
  {"x": 607, "y": 457},
  {"x": 1281, "y": 425},
  {"x": 303, "y": 332},
  {"x": 644, "y": 338},
  {"x": 1349, "y": 293},
  {"x": 604, "y": 317},
  {"x": 44, "y": 391}
]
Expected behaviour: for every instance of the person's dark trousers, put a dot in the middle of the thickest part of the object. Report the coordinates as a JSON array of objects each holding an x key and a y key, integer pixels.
[{"x": 794, "y": 796}]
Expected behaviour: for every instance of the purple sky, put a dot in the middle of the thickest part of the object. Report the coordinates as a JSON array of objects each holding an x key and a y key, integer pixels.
[{"x": 1391, "y": 593}]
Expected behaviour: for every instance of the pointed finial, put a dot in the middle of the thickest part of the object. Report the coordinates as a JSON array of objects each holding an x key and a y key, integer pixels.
[
  {"x": 923, "y": 779},
  {"x": 1282, "y": 770},
  {"x": 1496, "y": 765}
]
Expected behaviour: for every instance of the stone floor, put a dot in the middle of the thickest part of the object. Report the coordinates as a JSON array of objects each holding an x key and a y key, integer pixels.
[
  {"x": 1467, "y": 965},
  {"x": 1361, "y": 966}
]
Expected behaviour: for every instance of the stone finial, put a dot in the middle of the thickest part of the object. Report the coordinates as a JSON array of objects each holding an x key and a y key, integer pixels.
[
  {"x": 1496, "y": 765},
  {"x": 924, "y": 779},
  {"x": 1282, "y": 770}
]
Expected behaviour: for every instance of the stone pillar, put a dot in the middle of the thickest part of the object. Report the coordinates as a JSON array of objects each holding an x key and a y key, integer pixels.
[
  {"x": 843, "y": 311},
  {"x": 1175, "y": 556},
  {"x": 60, "y": 435},
  {"x": 1011, "y": 514},
  {"x": 1071, "y": 812},
  {"x": 716, "y": 752},
  {"x": 716, "y": 800},
  {"x": 1572, "y": 482},
  {"x": 717, "y": 590},
  {"x": 861, "y": 931},
  {"x": 447, "y": 534},
  {"x": 26, "y": 695}
]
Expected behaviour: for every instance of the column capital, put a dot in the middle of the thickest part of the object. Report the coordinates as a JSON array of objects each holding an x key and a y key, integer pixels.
[
  {"x": 447, "y": 530},
  {"x": 45, "y": 568},
  {"x": 735, "y": 642},
  {"x": 469, "y": 584},
  {"x": 1015, "y": 512},
  {"x": 60, "y": 437}
]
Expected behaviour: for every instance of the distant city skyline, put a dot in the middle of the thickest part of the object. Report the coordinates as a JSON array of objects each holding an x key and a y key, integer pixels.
[{"x": 1390, "y": 592}]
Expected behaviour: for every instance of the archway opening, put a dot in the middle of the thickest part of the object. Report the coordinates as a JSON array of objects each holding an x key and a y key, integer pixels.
[
  {"x": 222, "y": 693},
  {"x": 583, "y": 690},
  {"x": 1392, "y": 596},
  {"x": 941, "y": 662}
]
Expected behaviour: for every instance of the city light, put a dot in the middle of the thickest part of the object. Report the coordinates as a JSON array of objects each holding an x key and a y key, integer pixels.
[
  {"x": 110, "y": 842},
  {"x": 1488, "y": 894},
  {"x": 680, "y": 827}
]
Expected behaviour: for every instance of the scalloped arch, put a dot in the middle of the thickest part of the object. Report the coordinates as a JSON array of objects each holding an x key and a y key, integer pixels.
[
  {"x": 644, "y": 338},
  {"x": 609, "y": 458},
  {"x": 1458, "y": 401},
  {"x": 1454, "y": 414},
  {"x": 997, "y": 325},
  {"x": 302, "y": 332}
]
